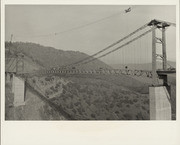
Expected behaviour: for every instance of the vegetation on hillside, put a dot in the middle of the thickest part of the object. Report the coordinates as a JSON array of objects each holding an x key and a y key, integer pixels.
[
  {"x": 87, "y": 98},
  {"x": 51, "y": 57},
  {"x": 83, "y": 97}
]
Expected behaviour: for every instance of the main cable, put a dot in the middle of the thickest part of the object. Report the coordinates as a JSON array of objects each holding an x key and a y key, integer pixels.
[
  {"x": 139, "y": 29},
  {"x": 121, "y": 46}
]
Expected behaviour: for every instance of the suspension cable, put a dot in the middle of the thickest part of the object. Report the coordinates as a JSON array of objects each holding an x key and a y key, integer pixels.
[
  {"x": 120, "y": 46},
  {"x": 141, "y": 28}
]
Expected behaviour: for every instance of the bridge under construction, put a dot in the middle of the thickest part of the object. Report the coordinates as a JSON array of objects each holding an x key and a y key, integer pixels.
[{"x": 160, "y": 104}]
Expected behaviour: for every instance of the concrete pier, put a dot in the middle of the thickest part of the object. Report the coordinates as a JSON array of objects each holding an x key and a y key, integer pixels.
[
  {"x": 160, "y": 104},
  {"x": 18, "y": 88},
  {"x": 7, "y": 77}
]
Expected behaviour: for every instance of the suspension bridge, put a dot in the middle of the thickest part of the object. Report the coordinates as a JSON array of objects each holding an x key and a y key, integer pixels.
[{"x": 124, "y": 47}]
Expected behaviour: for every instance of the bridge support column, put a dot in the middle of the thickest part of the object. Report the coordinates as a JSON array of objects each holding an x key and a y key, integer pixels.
[
  {"x": 7, "y": 76},
  {"x": 160, "y": 105},
  {"x": 164, "y": 48},
  {"x": 18, "y": 88}
]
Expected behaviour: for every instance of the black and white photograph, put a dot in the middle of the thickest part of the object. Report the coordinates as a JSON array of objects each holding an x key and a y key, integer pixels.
[
  {"x": 99, "y": 72},
  {"x": 90, "y": 62}
]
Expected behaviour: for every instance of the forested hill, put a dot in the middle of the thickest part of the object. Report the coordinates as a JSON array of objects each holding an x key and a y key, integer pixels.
[{"x": 51, "y": 57}]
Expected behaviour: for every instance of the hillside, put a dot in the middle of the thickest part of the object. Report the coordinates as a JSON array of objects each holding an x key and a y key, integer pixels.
[
  {"x": 51, "y": 57},
  {"x": 144, "y": 66},
  {"x": 35, "y": 109},
  {"x": 93, "y": 98},
  {"x": 81, "y": 97}
]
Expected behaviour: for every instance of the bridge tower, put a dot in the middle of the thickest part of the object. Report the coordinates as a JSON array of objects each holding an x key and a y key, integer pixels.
[
  {"x": 160, "y": 102},
  {"x": 19, "y": 63},
  {"x": 162, "y": 26},
  {"x": 18, "y": 83}
]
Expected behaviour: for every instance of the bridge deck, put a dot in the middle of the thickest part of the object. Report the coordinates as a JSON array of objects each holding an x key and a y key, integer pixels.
[
  {"x": 144, "y": 73},
  {"x": 165, "y": 72}
]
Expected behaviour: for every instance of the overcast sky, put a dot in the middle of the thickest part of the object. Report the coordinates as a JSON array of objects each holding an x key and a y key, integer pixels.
[{"x": 41, "y": 24}]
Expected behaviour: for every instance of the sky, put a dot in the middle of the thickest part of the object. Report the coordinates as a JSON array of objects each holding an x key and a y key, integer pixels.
[{"x": 75, "y": 27}]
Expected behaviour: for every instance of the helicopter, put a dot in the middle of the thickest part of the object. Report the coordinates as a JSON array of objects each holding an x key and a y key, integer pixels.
[{"x": 128, "y": 10}]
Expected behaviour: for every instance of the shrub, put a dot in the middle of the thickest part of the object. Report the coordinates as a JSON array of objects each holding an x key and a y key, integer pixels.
[
  {"x": 34, "y": 81},
  {"x": 128, "y": 116},
  {"x": 135, "y": 100},
  {"x": 119, "y": 105},
  {"x": 127, "y": 106},
  {"x": 117, "y": 112},
  {"x": 74, "y": 111},
  {"x": 146, "y": 101},
  {"x": 93, "y": 116},
  {"x": 77, "y": 103},
  {"x": 80, "y": 111},
  {"x": 143, "y": 107},
  {"x": 139, "y": 116},
  {"x": 111, "y": 106}
]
